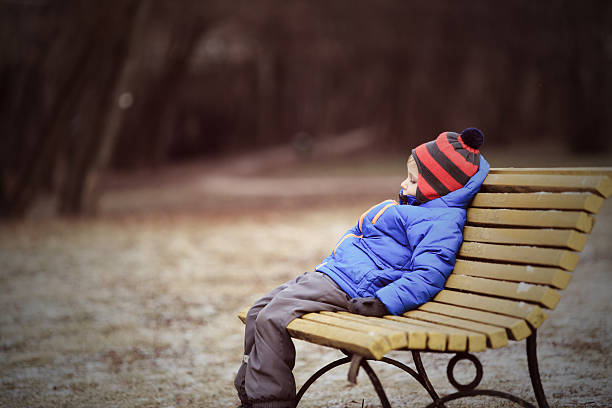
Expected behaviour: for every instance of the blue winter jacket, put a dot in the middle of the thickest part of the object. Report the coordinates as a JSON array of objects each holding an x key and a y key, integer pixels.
[{"x": 403, "y": 254}]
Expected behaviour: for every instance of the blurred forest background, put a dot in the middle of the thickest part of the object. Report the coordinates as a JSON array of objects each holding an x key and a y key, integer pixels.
[
  {"x": 88, "y": 86},
  {"x": 224, "y": 146}
]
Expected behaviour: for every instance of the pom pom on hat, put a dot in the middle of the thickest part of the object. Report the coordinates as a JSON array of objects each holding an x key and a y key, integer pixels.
[{"x": 472, "y": 137}]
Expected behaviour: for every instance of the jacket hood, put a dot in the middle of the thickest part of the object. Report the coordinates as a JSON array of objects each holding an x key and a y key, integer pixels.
[{"x": 461, "y": 198}]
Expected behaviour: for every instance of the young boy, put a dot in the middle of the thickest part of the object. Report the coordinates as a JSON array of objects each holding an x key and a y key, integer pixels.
[{"x": 396, "y": 258}]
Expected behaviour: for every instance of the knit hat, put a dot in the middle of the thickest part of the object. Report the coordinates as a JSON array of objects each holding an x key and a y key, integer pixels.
[{"x": 447, "y": 163}]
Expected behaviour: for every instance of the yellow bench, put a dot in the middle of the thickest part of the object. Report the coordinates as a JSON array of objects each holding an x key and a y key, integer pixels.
[{"x": 522, "y": 241}]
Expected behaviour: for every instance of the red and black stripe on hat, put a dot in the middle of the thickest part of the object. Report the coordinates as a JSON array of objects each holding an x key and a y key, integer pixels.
[{"x": 447, "y": 163}]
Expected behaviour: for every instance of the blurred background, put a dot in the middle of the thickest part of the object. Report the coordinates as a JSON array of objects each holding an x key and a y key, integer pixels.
[
  {"x": 165, "y": 163},
  {"x": 100, "y": 96}
]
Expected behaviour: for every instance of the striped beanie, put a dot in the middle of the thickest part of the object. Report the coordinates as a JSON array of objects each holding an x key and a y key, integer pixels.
[{"x": 447, "y": 163}]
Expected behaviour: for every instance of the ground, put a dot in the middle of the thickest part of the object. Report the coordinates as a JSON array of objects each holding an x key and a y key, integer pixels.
[{"x": 139, "y": 309}]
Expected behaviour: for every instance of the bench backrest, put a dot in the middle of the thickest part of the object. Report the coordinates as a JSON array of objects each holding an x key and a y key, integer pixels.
[{"x": 522, "y": 240}]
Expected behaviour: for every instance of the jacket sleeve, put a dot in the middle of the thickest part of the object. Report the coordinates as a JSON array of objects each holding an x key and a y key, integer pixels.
[{"x": 435, "y": 245}]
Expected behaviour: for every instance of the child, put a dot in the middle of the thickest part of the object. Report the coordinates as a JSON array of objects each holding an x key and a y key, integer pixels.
[{"x": 396, "y": 258}]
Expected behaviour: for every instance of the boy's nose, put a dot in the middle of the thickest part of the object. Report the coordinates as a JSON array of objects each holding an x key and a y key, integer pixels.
[{"x": 404, "y": 184}]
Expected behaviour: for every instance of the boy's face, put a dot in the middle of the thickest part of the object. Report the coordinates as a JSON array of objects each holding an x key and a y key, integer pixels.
[{"x": 410, "y": 184}]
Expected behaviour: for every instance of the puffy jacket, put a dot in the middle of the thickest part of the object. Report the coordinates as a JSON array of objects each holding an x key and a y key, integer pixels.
[{"x": 403, "y": 254}]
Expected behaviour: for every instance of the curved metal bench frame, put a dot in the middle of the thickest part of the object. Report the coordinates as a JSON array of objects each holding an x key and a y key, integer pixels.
[{"x": 463, "y": 390}]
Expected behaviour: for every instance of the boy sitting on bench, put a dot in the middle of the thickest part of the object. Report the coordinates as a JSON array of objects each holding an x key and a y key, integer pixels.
[{"x": 396, "y": 258}]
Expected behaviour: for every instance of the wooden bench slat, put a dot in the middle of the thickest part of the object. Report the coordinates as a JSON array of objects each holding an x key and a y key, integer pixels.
[
  {"x": 395, "y": 338},
  {"x": 436, "y": 339},
  {"x": 563, "y": 238},
  {"x": 550, "y": 201},
  {"x": 578, "y": 220},
  {"x": 243, "y": 314},
  {"x": 365, "y": 344},
  {"x": 538, "y": 275},
  {"x": 533, "y": 314},
  {"x": 575, "y": 171},
  {"x": 520, "y": 254},
  {"x": 476, "y": 341},
  {"x": 455, "y": 339},
  {"x": 542, "y": 295},
  {"x": 416, "y": 335},
  {"x": 523, "y": 183},
  {"x": 517, "y": 328},
  {"x": 496, "y": 336}
]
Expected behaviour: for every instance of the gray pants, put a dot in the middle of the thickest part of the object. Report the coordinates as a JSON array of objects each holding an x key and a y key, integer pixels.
[{"x": 265, "y": 378}]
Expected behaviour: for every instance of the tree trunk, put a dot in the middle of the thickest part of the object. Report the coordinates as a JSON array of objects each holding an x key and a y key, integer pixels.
[
  {"x": 113, "y": 119},
  {"x": 88, "y": 143},
  {"x": 39, "y": 164},
  {"x": 589, "y": 75},
  {"x": 180, "y": 51}
]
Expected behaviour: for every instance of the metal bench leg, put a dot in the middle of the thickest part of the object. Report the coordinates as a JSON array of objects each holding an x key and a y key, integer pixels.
[
  {"x": 534, "y": 372},
  {"x": 356, "y": 361},
  {"x": 376, "y": 383},
  {"x": 469, "y": 390},
  {"x": 416, "y": 357},
  {"x": 315, "y": 376},
  {"x": 420, "y": 375}
]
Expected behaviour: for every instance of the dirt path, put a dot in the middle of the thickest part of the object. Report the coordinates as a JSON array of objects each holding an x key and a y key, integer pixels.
[{"x": 140, "y": 312}]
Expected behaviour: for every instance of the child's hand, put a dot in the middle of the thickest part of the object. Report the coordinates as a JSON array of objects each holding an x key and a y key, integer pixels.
[{"x": 369, "y": 306}]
